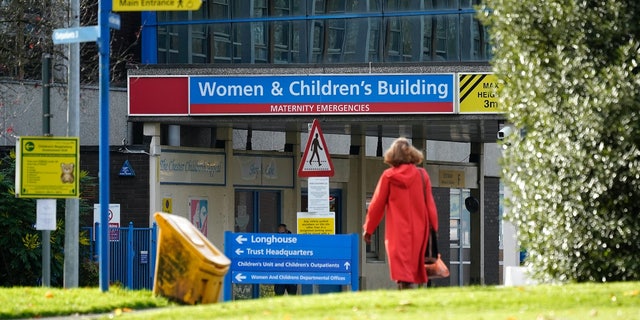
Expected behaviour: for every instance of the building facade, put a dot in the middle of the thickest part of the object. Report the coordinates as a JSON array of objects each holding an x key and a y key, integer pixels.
[
  {"x": 252, "y": 143},
  {"x": 210, "y": 89}
]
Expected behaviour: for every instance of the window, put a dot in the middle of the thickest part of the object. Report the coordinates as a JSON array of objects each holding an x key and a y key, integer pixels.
[
  {"x": 322, "y": 31},
  {"x": 255, "y": 211},
  {"x": 459, "y": 237}
]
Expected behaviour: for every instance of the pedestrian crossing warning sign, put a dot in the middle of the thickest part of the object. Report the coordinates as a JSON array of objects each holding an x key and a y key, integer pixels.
[{"x": 316, "y": 161}]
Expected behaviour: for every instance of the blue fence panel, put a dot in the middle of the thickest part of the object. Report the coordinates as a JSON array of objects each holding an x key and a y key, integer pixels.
[
  {"x": 141, "y": 273},
  {"x": 132, "y": 255},
  {"x": 117, "y": 255}
]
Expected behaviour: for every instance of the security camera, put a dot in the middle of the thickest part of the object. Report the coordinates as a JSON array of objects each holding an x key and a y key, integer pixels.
[{"x": 504, "y": 132}]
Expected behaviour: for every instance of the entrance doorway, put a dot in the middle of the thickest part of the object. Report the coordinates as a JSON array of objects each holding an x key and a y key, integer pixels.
[
  {"x": 459, "y": 237},
  {"x": 256, "y": 211}
]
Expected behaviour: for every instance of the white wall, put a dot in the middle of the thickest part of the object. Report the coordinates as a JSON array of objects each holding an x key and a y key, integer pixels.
[{"x": 21, "y": 112}]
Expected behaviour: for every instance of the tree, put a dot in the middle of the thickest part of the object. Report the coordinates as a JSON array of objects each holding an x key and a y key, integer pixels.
[
  {"x": 569, "y": 73},
  {"x": 26, "y": 28}
]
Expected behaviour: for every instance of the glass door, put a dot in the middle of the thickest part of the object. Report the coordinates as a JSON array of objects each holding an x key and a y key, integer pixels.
[
  {"x": 256, "y": 211},
  {"x": 460, "y": 238}
]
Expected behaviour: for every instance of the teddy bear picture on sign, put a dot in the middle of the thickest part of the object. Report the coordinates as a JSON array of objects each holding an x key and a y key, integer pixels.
[{"x": 67, "y": 172}]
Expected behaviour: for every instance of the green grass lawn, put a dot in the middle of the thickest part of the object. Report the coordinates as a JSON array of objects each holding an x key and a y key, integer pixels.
[{"x": 544, "y": 302}]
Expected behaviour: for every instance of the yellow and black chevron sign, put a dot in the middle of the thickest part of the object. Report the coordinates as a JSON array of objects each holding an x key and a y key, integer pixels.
[{"x": 478, "y": 93}]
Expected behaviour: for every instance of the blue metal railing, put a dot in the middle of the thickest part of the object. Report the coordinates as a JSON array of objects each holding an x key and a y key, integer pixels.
[{"x": 132, "y": 255}]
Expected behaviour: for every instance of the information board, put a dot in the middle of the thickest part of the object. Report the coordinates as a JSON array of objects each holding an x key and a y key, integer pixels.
[
  {"x": 47, "y": 167},
  {"x": 280, "y": 258}
]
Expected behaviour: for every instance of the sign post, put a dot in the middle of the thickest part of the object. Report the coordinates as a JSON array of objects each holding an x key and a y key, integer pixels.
[{"x": 104, "y": 12}]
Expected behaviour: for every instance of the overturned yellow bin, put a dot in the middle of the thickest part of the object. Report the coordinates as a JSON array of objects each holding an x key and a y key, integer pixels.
[{"x": 189, "y": 269}]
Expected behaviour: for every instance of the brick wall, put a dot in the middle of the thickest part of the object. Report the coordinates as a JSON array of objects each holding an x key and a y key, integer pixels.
[{"x": 132, "y": 193}]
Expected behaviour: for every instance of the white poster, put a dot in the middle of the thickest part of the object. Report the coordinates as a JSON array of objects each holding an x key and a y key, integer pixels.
[
  {"x": 46, "y": 214},
  {"x": 318, "y": 195},
  {"x": 114, "y": 220}
]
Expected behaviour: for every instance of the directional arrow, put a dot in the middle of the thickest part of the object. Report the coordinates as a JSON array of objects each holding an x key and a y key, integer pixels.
[
  {"x": 240, "y": 277},
  {"x": 239, "y": 251},
  {"x": 241, "y": 239},
  {"x": 347, "y": 265}
]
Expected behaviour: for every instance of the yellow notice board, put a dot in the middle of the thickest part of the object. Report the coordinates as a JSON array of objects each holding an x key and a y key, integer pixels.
[
  {"x": 316, "y": 223},
  {"x": 478, "y": 93},
  {"x": 156, "y": 5},
  {"x": 47, "y": 167}
]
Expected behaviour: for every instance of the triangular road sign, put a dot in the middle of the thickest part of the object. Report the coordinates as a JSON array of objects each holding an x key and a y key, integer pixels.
[
  {"x": 316, "y": 161},
  {"x": 127, "y": 170}
]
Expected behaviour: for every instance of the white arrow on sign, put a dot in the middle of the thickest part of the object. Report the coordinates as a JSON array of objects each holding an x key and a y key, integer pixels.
[
  {"x": 239, "y": 252},
  {"x": 347, "y": 265},
  {"x": 240, "y": 239},
  {"x": 240, "y": 277}
]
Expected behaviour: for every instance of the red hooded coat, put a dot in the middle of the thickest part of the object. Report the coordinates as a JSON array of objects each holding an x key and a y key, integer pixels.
[{"x": 400, "y": 191}]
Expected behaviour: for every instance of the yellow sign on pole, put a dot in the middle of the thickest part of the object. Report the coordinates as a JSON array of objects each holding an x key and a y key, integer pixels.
[
  {"x": 47, "y": 167},
  {"x": 313, "y": 223},
  {"x": 478, "y": 93},
  {"x": 156, "y": 5}
]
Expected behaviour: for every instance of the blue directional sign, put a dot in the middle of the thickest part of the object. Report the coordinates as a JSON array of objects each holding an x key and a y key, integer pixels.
[
  {"x": 279, "y": 258},
  {"x": 114, "y": 21},
  {"x": 75, "y": 35},
  {"x": 290, "y": 277},
  {"x": 334, "y": 265}
]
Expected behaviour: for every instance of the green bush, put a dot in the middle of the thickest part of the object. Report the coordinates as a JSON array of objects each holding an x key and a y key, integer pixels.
[
  {"x": 569, "y": 75},
  {"x": 21, "y": 243}
]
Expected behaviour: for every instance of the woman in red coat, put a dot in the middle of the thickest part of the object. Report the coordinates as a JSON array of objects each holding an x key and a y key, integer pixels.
[{"x": 401, "y": 193}]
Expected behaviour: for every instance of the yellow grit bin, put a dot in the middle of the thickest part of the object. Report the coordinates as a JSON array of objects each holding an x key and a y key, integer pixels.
[{"x": 189, "y": 269}]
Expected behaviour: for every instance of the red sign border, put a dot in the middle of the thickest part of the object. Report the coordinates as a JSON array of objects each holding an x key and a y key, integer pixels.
[{"x": 327, "y": 173}]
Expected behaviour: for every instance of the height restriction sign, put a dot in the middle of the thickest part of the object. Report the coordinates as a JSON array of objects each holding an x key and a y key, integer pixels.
[{"x": 316, "y": 161}]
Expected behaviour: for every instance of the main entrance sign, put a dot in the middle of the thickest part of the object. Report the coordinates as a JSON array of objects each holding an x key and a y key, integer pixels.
[{"x": 156, "y": 5}]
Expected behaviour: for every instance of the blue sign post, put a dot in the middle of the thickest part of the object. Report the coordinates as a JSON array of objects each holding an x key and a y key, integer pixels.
[
  {"x": 99, "y": 33},
  {"x": 104, "y": 41},
  {"x": 279, "y": 258}
]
